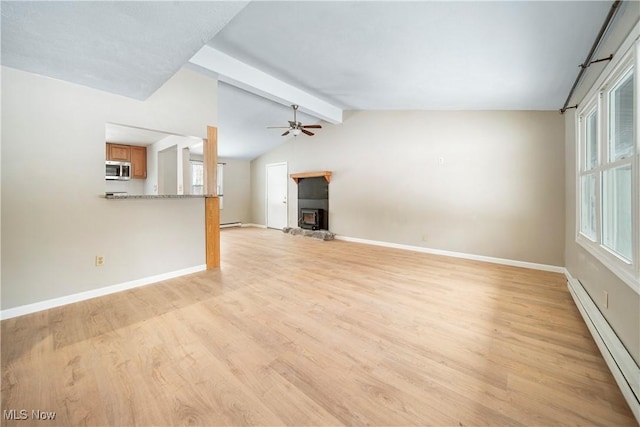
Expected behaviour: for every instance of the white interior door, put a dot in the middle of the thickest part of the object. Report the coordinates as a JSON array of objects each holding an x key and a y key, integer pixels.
[{"x": 277, "y": 195}]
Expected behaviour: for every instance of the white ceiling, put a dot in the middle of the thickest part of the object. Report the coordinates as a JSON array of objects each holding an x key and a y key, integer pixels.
[
  {"x": 129, "y": 48},
  {"x": 243, "y": 119},
  {"x": 505, "y": 55},
  {"x": 513, "y": 55}
]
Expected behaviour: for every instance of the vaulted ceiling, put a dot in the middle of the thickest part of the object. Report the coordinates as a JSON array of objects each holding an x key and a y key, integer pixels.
[{"x": 506, "y": 55}]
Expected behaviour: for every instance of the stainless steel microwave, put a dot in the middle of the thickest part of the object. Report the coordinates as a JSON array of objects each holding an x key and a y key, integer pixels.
[{"x": 118, "y": 170}]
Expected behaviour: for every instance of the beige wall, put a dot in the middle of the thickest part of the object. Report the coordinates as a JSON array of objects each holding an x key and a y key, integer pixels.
[
  {"x": 54, "y": 220},
  {"x": 498, "y": 192},
  {"x": 236, "y": 182},
  {"x": 623, "y": 312}
]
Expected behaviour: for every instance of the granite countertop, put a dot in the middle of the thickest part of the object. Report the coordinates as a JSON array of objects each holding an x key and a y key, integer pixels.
[{"x": 165, "y": 196}]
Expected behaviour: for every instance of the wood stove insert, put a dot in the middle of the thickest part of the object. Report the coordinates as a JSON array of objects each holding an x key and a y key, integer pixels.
[{"x": 310, "y": 219}]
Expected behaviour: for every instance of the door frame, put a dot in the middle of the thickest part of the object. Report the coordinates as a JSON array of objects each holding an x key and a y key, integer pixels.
[{"x": 266, "y": 192}]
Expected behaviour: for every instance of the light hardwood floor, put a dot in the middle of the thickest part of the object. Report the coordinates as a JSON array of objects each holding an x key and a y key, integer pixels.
[{"x": 295, "y": 331}]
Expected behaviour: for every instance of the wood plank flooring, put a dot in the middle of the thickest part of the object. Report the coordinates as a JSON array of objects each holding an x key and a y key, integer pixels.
[{"x": 295, "y": 331}]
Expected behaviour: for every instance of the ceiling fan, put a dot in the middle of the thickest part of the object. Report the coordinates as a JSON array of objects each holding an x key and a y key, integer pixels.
[{"x": 295, "y": 127}]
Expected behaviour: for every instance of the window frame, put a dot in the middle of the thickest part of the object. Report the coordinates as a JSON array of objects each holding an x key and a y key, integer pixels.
[
  {"x": 598, "y": 97},
  {"x": 583, "y": 168}
]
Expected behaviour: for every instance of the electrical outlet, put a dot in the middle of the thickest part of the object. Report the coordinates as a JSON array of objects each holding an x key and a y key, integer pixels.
[
  {"x": 424, "y": 238},
  {"x": 99, "y": 260},
  {"x": 606, "y": 299}
]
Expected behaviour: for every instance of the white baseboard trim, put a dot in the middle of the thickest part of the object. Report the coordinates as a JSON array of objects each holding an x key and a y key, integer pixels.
[
  {"x": 513, "y": 263},
  {"x": 82, "y": 296},
  {"x": 231, "y": 224},
  {"x": 624, "y": 369},
  {"x": 254, "y": 225}
]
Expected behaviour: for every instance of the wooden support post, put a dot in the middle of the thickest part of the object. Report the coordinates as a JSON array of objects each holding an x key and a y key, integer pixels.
[
  {"x": 212, "y": 238},
  {"x": 210, "y": 162},
  {"x": 211, "y": 205}
]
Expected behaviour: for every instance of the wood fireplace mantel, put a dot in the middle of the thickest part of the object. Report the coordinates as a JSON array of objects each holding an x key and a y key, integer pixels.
[{"x": 325, "y": 174}]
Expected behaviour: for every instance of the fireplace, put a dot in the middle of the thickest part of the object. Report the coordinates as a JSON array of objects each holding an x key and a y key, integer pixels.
[
  {"x": 310, "y": 219},
  {"x": 313, "y": 200}
]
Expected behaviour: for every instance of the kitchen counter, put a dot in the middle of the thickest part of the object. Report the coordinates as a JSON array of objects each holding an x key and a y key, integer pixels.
[{"x": 166, "y": 196}]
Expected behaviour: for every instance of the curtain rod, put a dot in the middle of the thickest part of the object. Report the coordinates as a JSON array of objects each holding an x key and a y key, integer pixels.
[{"x": 588, "y": 61}]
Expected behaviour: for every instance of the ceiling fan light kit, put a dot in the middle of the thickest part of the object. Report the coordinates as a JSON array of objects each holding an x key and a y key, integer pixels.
[{"x": 295, "y": 127}]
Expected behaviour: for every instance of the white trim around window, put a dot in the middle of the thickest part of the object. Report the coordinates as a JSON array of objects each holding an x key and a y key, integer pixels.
[{"x": 608, "y": 163}]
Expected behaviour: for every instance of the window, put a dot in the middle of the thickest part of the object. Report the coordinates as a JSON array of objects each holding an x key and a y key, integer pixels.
[
  {"x": 588, "y": 208},
  {"x": 608, "y": 161},
  {"x": 621, "y": 116},
  {"x": 617, "y": 210},
  {"x": 197, "y": 177}
]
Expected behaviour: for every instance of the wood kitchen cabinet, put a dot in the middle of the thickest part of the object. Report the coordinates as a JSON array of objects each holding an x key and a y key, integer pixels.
[
  {"x": 138, "y": 162},
  {"x": 119, "y": 153},
  {"x": 137, "y": 155}
]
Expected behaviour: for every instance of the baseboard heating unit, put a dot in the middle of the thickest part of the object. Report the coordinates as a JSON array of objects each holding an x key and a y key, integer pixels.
[{"x": 624, "y": 369}]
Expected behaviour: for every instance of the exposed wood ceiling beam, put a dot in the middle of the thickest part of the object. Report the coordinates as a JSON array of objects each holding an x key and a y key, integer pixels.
[{"x": 251, "y": 79}]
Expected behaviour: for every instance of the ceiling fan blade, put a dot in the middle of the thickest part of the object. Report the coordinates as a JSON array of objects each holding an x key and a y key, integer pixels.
[
  {"x": 285, "y": 134},
  {"x": 278, "y": 127},
  {"x": 312, "y": 126},
  {"x": 307, "y": 132}
]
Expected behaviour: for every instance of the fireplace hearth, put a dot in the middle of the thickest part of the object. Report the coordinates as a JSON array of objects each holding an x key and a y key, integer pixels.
[{"x": 315, "y": 234}]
